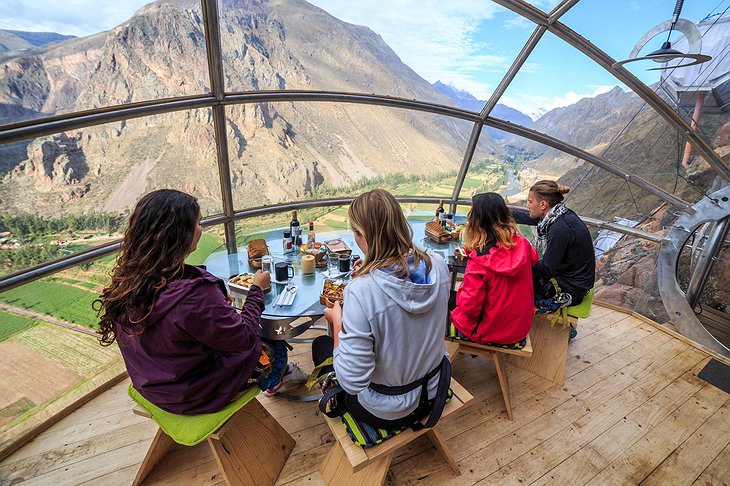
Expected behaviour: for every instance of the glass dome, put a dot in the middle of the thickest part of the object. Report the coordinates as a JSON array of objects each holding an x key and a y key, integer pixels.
[{"x": 258, "y": 107}]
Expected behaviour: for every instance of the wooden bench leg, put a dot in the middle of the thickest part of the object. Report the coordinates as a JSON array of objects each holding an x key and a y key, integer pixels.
[
  {"x": 252, "y": 447},
  {"x": 550, "y": 352},
  {"x": 452, "y": 347},
  {"x": 336, "y": 470},
  {"x": 161, "y": 445},
  {"x": 440, "y": 445},
  {"x": 503, "y": 381}
]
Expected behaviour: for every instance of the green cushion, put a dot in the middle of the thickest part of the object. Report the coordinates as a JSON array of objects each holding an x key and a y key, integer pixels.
[
  {"x": 190, "y": 430},
  {"x": 366, "y": 436},
  {"x": 584, "y": 308}
]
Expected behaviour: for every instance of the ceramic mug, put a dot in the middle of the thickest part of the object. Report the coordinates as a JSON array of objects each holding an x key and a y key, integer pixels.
[
  {"x": 283, "y": 271},
  {"x": 343, "y": 263}
]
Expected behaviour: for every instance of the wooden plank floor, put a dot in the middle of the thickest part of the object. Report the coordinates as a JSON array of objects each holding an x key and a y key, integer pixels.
[{"x": 631, "y": 411}]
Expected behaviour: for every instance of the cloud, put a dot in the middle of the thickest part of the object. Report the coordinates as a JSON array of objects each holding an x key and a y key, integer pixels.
[
  {"x": 518, "y": 23},
  {"x": 439, "y": 40},
  {"x": 74, "y": 17},
  {"x": 537, "y": 105}
]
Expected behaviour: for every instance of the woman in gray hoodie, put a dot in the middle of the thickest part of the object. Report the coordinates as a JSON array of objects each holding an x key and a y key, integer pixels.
[{"x": 390, "y": 331}]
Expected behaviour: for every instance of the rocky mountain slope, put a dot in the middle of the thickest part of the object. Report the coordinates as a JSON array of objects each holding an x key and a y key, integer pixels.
[{"x": 278, "y": 151}]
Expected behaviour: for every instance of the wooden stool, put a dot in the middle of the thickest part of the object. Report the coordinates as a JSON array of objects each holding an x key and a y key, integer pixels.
[
  {"x": 249, "y": 448},
  {"x": 349, "y": 464},
  {"x": 551, "y": 349},
  {"x": 455, "y": 346},
  {"x": 551, "y": 342}
]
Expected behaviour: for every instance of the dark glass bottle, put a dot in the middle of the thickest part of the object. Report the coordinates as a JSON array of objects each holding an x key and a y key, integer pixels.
[
  {"x": 295, "y": 229},
  {"x": 440, "y": 211}
]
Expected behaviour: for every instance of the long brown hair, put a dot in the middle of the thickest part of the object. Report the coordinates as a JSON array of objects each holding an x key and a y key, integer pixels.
[
  {"x": 153, "y": 253},
  {"x": 549, "y": 191},
  {"x": 377, "y": 216},
  {"x": 489, "y": 221}
]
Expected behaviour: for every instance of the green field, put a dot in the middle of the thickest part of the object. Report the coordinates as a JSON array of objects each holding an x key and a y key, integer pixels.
[
  {"x": 208, "y": 244},
  {"x": 13, "y": 323},
  {"x": 54, "y": 299}
]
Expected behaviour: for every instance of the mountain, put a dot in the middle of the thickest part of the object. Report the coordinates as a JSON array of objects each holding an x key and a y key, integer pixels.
[
  {"x": 467, "y": 101},
  {"x": 278, "y": 151},
  {"x": 16, "y": 40}
]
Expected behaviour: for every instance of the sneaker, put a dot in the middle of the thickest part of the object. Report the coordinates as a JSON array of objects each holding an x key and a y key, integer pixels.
[
  {"x": 293, "y": 376},
  {"x": 573, "y": 333}
]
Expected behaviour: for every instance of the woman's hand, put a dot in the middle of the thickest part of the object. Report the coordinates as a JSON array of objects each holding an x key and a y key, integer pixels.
[
  {"x": 334, "y": 317},
  {"x": 229, "y": 298},
  {"x": 356, "y": 267},
  {"x": 262, "y": 279}
]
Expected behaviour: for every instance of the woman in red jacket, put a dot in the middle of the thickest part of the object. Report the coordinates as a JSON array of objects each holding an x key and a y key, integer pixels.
[{"x": 495, "y": 303}]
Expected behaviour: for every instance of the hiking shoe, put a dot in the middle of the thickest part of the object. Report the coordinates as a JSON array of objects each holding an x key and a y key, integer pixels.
[{"x": 293, "y": 376}]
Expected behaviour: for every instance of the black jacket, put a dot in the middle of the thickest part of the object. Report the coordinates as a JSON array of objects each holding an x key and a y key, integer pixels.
[{"x": 569, "y": 254}]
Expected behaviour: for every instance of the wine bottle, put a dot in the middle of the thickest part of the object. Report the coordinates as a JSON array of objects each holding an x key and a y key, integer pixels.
[{"x": 295, "y": 229}]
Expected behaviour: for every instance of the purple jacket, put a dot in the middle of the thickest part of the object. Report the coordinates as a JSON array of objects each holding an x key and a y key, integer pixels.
[{"x": 199, "y": 351}]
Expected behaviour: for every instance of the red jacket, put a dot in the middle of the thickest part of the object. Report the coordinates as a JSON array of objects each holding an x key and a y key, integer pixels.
[{"x": 495, "y": 303}]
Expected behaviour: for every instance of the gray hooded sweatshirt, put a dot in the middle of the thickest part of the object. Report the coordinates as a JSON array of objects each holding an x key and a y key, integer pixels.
[{"x": 393, "y": 334}]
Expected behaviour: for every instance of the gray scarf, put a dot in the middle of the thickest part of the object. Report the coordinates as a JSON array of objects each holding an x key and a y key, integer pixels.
[{"x": 544, "y": 225}]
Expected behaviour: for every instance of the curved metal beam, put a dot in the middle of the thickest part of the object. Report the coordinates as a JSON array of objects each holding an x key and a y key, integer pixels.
[
  {"x": 48, "y": 268},
  {"x": 81, "y": 119},
  {"x": 712, "y": 208},
  {"x": 71, "y": 121}
]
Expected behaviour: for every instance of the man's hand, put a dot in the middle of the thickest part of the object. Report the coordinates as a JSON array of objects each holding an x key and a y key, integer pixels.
[{"x": 262, "y": 279}]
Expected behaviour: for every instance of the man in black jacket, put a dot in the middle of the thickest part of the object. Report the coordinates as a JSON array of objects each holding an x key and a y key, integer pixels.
[{"x": 564, "y": 244}]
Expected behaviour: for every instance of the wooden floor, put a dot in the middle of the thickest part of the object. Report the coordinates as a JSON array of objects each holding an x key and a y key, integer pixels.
[{"x": 632, "y": 410}]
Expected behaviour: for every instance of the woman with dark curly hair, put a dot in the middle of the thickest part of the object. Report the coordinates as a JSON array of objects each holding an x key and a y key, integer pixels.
[{"x": 185, "y": 347}]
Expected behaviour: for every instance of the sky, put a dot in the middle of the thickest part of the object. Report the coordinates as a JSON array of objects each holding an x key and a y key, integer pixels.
[{"x": 468, "y": 44}]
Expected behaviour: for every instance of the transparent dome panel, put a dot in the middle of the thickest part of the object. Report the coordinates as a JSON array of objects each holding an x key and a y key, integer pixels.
[
  {"x": 626, "y": 269},
  {"x": 283, "y": 152},
  {"x": 90, "y": 56},
  {"x": 494, "y": 168},
  {"x": 414, "y": 50},
  {"x": 569, "y": 97},
  {"x": 46, "y": 364},
  {"x": 71, "y": 191}
]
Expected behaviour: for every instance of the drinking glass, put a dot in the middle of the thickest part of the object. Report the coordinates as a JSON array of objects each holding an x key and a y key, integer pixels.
[
  {"x": 266, "y": 263},
  {"x": 333, "y": 264}
]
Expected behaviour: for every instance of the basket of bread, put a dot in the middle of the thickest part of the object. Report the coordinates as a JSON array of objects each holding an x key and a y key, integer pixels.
[
  {"x": 332, "y": 291},
  {"x": 437, "y": 233},
  {"x": 257, "y": 249},
  {"x": 241, "y": 284}
]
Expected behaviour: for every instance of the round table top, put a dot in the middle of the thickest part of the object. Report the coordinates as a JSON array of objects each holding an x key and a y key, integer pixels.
[{"x": 309, "y": 287}]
